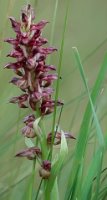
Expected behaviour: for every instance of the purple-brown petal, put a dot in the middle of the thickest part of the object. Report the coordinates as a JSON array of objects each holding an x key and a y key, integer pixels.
[
  {"x": 20, "y": 100},
  {"x": 46, "y": 164},
  {"x": 14, "y": 66},
  {"x": 28, "y": 132},
  {"x": 50, "y": 77},
  {"x": 39, "y": 25},
  {"x": 20, "y": 82},
  {"x": 12, "y": 41},
  {"x": 48, "y": 50},
  {"x": 17, "y": 53},
  {"x": 15, "y": 24},
  {"x": 28, "y": 119},
  {"x": 47, "y": 91},
  {"x": 40, "y": 41},
  {"x": 68, "y": 135},
  {"x": 30, "y": 153},
  {"x": 24, "y": 18}
]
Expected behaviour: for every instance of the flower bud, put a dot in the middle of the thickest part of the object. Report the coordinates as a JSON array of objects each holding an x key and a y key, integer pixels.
[
  {"x": 45, "y": 169},
  {"x": 28, "y": 132},
  {"x": 30, "y": 153},
  {"x": 44, "y": 173}
]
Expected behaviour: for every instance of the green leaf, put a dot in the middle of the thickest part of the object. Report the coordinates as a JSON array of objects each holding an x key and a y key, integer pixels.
[
  {"x": 92, "y": 172},
  {"x": 84, "y": 130},
  {"x": 36, "y": 127},
  {"x": 57, "y": 165},
  {"x": 41, "y": 137},
  {"x": 59, "y": 72},
  {"x": 55, "y": 192},
  {"x": 99, "y": 131},
  {"x": 29, "y": 142}
]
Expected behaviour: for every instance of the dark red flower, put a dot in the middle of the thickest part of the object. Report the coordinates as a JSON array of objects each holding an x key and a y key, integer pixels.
[
  {"x": 28, "y": 131},
  {"x": 45, "y": 169},
  {"x": 15, "y": 25},
  {"x": 22, "y": 83},
  {"x": 57, "y": 139},
  {"x": 28, "y": 119},
  {"x": 20, "y": 100},
  {"x": 33, "y": 76},
  {"x": 30, "y": 153}
]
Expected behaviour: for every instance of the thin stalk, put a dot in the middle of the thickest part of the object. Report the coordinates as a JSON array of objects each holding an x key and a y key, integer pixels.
[
  {"x": 38, "y": 189},
  {"x": 49, "y": 152},
  {"x": 33, "y": 168},
  {"x": 32, "y": 181},
  {"x": 98, "y": 177},
  {"x": 58, "y": 120},
  {"x": 58, "y": 81},
  {"x": 32, "y": 177},
  {"x": 53, "y": 27},
  {"x": 56, "y": 127}
]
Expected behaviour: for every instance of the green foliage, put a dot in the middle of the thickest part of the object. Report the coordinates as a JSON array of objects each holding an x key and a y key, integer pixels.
[{"x": 78, "y": 170}]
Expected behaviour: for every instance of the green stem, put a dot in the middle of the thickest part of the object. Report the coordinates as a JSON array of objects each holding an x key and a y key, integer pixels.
[
  {"x": 32, "y": 180},
  {"x": 53, "y": 28},
  {"x": 38, "y": 189},
  {"x": 32, "y": 176},
  {"x": 58, "y": 81}
]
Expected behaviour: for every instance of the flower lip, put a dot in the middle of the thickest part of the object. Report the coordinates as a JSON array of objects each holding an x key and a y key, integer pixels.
[
  {"x": 15, "y": 25},
  {"x": 47, "y": 50},
  {"x": 30, "y": 153},
  {"x": 28, "y": 119},
  {"x": 16, "y": 65},
  {"x": 58, "y": 137},
  {"x": 28, "y": 131},
  {"x": 20, "y": 82},
  {"x": 46, "y": 164},
  {"x": 27, "y": 13},
  {"x": 12, "y": 41},
  {"x": 39, "y": 25},
  {"x": 20, "y": 100}
]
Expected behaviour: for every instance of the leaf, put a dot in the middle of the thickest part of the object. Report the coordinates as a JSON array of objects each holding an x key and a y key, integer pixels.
[
  {"x": 41, "y": 137},
  {"x": 92, "y": 172},
  {"x": 57, "y": 165},
  {"x": 84, "y": 130},
  {"x": 55, "y": 192},
  {"x": 29, "y": 142},
  {"x": 98, "y": 128},
  {"x": 36, "y": 127}
]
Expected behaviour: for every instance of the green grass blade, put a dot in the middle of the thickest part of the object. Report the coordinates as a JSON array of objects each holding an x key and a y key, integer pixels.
[
  {"x": 98, "y": 178},
  {"x": 59, "y": 72},
  {"x": 93, "y": 170},
  {"x": 55, "y": 192},
  {"x": 99, "y": 131},
  {"x": 84, "y": 130},
  {"x": 53, "y": 27},
  {"x": 56, "y": 167}
]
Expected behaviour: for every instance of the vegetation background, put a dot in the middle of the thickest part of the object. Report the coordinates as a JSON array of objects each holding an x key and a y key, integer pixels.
[{"x": 87, "y": 30}]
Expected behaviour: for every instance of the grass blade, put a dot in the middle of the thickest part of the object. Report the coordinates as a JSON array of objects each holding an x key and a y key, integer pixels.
[
  {"x": 84, "y": 130},
  {"x": 57, "y": 165},
  {"x": 59, "y": 72},
  {"x": 99, "y": 131},
  {"x": 97, "y": 159}
]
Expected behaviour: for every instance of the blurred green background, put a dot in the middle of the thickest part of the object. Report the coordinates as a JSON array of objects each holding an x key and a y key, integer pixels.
[{"x": 87, "y": 30}]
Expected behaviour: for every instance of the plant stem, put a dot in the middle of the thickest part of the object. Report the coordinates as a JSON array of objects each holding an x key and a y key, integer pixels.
[
  {"x": 38, "y": 189},
  {"x": 32, "y": 176},
  {"x": 32, "y": 180},
  {"x": 58, "y": 81}
]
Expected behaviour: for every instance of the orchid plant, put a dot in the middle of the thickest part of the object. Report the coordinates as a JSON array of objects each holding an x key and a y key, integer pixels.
[{"x": 35, "y": 78}]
